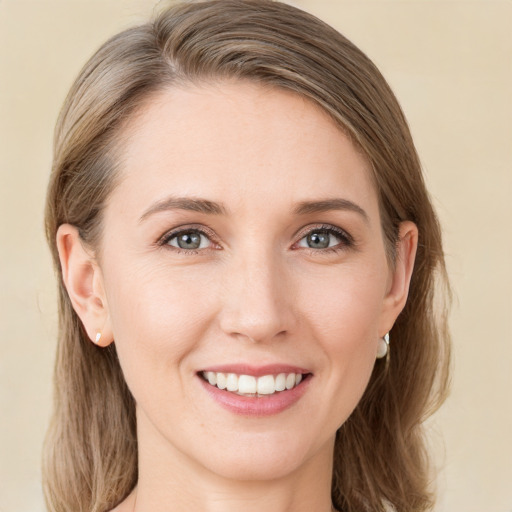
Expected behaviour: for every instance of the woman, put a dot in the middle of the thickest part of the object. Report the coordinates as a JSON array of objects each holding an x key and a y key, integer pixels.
[{"x": 241, "y": 229}]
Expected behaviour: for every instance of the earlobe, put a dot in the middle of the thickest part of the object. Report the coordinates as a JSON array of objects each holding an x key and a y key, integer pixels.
[
  {"x": 84, "y": 283},
  {"x": 401, "y": 275}
]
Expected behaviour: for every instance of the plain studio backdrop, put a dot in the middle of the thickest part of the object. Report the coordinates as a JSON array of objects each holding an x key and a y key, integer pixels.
[{"x": 450, "y": 64}]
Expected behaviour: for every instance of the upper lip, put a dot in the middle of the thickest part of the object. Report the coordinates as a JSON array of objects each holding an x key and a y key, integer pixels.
[{"x": 256, "y": 371}]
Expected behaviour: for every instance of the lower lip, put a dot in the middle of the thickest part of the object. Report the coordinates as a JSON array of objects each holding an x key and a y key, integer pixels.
[{"x": 265, "y": 405}]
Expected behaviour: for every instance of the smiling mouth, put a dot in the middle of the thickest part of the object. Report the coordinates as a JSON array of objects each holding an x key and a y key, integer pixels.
[{"x": 249, "y": 385}]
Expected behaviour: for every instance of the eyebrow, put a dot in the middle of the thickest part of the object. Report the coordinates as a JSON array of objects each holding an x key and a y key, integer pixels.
[
  {"x": 212, "y": 208},
  {"x": 325, "y": 205},
  {"x": 185, "y": 203}
]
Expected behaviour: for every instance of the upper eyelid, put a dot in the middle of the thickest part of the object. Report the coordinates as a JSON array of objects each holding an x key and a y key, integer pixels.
[
  {"x": 327, "y": 227},
  {"x": 204, "y": 230}
]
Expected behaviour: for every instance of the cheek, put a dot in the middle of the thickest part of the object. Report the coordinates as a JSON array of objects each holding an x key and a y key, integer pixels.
[
  {"x": 343, "y": 313},
  {"x": 157, "y": 319},
  {"x": 344, "y": 306}
]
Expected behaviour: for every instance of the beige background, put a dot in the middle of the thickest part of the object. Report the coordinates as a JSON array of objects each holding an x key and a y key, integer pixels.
[{"x": 450, "y": 63}]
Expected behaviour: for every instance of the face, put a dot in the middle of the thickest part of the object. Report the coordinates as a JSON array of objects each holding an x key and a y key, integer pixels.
[{"x": 243, "y": 246}]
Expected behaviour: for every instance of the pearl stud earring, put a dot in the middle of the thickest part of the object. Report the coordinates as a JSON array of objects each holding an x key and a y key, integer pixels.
[{"x": 383, "y": 347}]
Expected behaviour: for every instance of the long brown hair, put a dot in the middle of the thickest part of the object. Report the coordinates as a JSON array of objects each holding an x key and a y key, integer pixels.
[{"x": 90, "y": 461}]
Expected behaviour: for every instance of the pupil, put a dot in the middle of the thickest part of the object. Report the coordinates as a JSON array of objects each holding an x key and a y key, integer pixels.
[
  {"x": 189, "y": 241},
  {"x": 318, "y": 240}
]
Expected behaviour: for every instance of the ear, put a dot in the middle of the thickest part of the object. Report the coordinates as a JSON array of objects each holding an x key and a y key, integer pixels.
[
  {"x": 84, "y": 283},
  {"x": 400, "y": 276}
]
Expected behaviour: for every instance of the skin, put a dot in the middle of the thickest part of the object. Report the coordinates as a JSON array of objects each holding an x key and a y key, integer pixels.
[{"x": 254, "y": 292}]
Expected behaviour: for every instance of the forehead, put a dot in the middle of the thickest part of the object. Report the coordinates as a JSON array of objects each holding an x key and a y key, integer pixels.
[{"x": 240, "y": 143}]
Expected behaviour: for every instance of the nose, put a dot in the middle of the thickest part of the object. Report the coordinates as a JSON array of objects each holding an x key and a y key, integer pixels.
[{"x": 257, "y": 300}]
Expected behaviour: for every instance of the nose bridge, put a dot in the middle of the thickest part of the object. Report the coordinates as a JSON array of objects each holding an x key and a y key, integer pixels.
[{"x": 256, "y": 304}]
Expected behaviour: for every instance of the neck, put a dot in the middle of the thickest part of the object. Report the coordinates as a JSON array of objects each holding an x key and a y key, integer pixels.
[{"x": 169, "y": 478}]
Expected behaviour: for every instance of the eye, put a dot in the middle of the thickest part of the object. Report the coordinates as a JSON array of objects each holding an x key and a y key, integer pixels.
[
  {"x": 190, "y": 239},
  {"x": 325, "y": 238}
]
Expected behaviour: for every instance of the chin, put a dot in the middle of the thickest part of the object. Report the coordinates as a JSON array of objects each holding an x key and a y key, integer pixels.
[
  {"x": 265, "y": 457},
  {"x": 252, "y": 468}
]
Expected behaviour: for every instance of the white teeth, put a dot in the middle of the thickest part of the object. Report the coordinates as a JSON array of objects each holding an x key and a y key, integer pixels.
[
  {"x": 250, "y": 385},
  {"x": 266, "y": 385},
  {"x": 232, "y": 382},
  {"x": 281, "y": 382},
  {"x": 290, "y": 381},
  {"x": 222, "y": 381},
  {"x": 246, "y": 384}
]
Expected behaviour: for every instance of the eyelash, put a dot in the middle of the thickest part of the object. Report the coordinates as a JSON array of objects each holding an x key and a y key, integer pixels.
[
  {"x": 346, "y": 240},
  {"x": 167, "y": 237}
]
